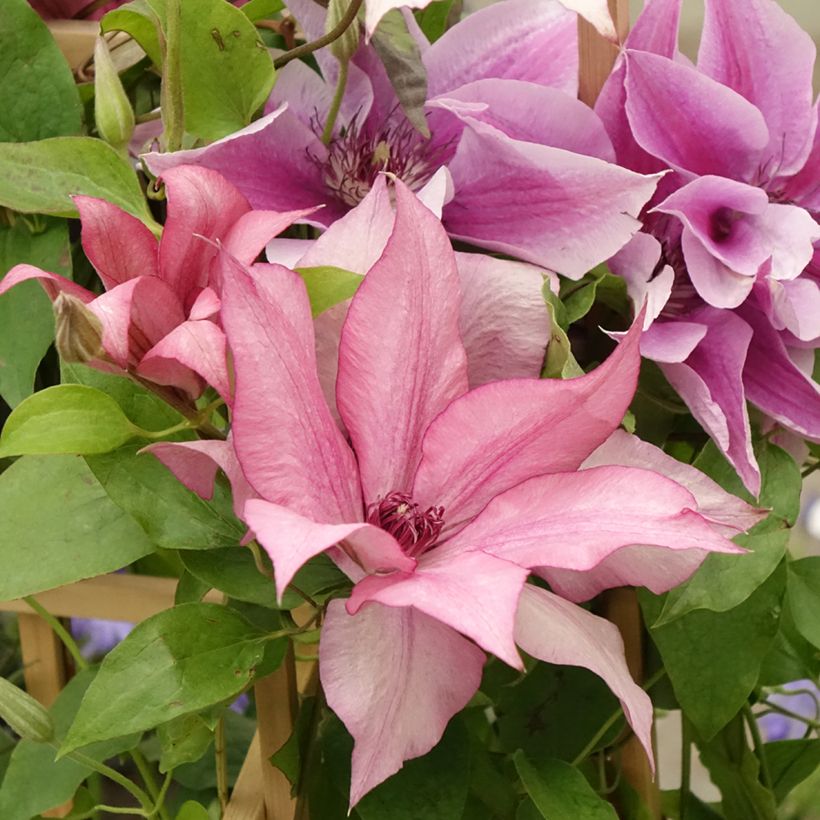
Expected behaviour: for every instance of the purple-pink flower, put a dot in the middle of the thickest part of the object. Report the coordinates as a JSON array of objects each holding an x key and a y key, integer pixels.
[
  {"x": 440, "y": 500},
  {"x": 730, "y": 259},
  {"x": 529, "y": 169}
]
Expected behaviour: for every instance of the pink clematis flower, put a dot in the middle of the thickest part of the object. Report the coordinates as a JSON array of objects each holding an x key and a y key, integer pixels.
[
  {"x": 530, "y": 167},
  {"x": 730, "y": 257},
  {"x": 442, "y": 499},
  {"x": 159, "y": 314}
]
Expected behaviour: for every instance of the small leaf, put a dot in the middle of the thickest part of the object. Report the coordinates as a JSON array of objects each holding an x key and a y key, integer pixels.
[
  {"x": 290, "y": 756},
  {"x": 804, "y": 597},
  {"x": 140, "y": 21},
  {"x": 559, "y": 362},
  {"x": 191, "y": 810},
  {"x": 67, "y": 418},
  {"x": 184, "y": 740},
  {"x": 790, "y": 763},
  {"x": 434, "y": 18},
  {"x": 579, "y": 297},
  {"x": 560, "y": 790},
  {"x": 328, "y": 286},
  {"x": 262, "y": 9},
  {"x": 401, "y": 58},
  {"x": 40, "y": 177},
  {"x": 177, "y": 662}
]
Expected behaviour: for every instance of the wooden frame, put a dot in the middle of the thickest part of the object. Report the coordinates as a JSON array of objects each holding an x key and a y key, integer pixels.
[{"x": 261, "y": 792}]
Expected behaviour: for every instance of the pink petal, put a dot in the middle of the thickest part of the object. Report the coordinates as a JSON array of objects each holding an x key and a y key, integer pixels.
[
  {"x": 118, "y": 245},
  {"x": 206, "y": 305},
  {"x": 711, "y": 385},
  {"x": 790, "y": 233},
  {"x": 474, "y": 593},
  {"x": 395, "y": 677},
  {"x": 672, "y": 342},
  {"x": 507, "y": 432},
  {"x": 559, "y": 632},
  {"x": 804, "y": 187},
  {"x": 730, "y": 514},
  {"x": 533, "y": 113},
  {"x": 596, "y": 12},
  {"x": 247, "y": 237},
  {"x": 796, "y": 307},
  {"x": 291, "y": 540},
  {"x": 388, "y": 393},
  {"x": 504, "y": 323},
  {"x": 757, "y": 49},
  {"x": 201, "y": 203},
  {"x": 690, "y": 121},
  {"x": 775, "y": 384},
  {"x": 195, "y": 463},
  {"x": 275, "y": 162},
  {"x": 52, "y": 283},
  {"x": 575, "y": 520},
  {"x": 290, "y": 448},
  {"x": 533, "y": 40},
  {"x": 197, "y": 346},
  {"x": 135, "y": 316}
]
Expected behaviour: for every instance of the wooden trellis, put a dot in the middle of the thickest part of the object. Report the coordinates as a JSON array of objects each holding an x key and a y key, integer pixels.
[{"x": 261, "y": 791}]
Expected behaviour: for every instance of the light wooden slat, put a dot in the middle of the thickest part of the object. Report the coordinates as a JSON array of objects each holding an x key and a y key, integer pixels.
[
  {"x": 247, "y": 799},
  {"x": 76, "y": 39},
  {"x": 114, "y": 597},
  {"x": 597, "y": 55}
]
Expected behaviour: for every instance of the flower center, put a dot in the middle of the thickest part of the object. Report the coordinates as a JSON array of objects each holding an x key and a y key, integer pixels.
[
  {"x": 358, "y": 155},
  {"x": 414, "y": 529}
]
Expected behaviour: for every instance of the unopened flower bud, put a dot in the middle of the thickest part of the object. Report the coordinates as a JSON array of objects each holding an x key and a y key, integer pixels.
[
  {"x": 112, "y": 110},
  {"x": 78, "y": 332},
  {"x": 24, "y": 714},
  {"x": 344, "y": 47}
]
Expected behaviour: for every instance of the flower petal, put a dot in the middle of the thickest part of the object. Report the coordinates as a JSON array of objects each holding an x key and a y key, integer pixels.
[
  {"x": 672, "y": 342},
  {"x": 291, "y": 540},
  {"x": 507, "y": 432},
  {"x": 795, "y": 306},
  {"x": 559, "y": 632},
  {"x": 52, "y": 283},
  {"x": 691, "y": 122},
  {"x": 534, "y": 40},
  {"x": 395, "y": 677},
  {"x": 761, "y": 52},
  {"x": 118, "y": 245},
  {"x": 388, "y": 394},
  {"x": 575, "y": 520},
  {"x": 289, "y": 447},
  {"x": 548, "y": 206},
  {"x": 247, "y": 237},
  {"x": 474, "y": 593}
]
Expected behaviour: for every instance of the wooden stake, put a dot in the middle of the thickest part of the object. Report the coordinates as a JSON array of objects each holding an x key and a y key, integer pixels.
[
  {"x": 247, "y": 799},
  {"x": 597, "y": 55}
]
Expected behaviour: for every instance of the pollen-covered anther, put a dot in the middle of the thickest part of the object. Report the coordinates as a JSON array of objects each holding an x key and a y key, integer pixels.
[{"x": 415, "y": 529}]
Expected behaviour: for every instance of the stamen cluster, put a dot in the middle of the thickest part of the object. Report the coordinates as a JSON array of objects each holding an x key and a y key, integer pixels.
[{"x": 414, "y": 529}]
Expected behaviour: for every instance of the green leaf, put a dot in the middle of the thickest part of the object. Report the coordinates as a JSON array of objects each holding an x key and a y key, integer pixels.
[
  {"x": 262, "y": 9},
  {"x": 184, "y": 740},
  {"x": 401, "y": 57},
  {"x": 34, "y": 781},
  {"x": 177, "y": 662},
  {"x": 40, "y": 177},
  {"x": 713, "y": 658},
  {"x": 38, "y": 97},
  {"x": 60, "y": 526},
  {"x": 327, "y": 286},
  {"x": 288, "y": 758},
  {"x": 232, "y": 570},
  {"x": 735, "y": 769},
  {"x": 790, "y": 763},
  {"x": 227, "y": 73},
  {"x": 434, "y": 18},
  {"x": 26, "y": 318},
  {"x": 171, "y": 515},
  {"x": 65, "y": 419},
  {"x": 140, "y": 21},
  {"x": 803, "y": 596},
  {"x": 559, "y": 362},
  {"x": 579, "y": 297},
  {"x": 559, "y": 790},
  {"x": 191, "y": 810}
]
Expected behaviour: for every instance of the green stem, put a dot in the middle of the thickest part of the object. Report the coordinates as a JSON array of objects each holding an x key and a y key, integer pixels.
[
  {"x": 108, "y": 810},
  {"x": 334, "y": 34},
  {"x": 147, "y": 775},
  {"x": 336, "y": 104},
  {"x": 765, "y": 774},
  {"x": 62, "y": 633},
  {"x": 159, "y": 806},
  {"x": 685, "y": 767},
  {"x": 813, "y": 468},
  {"x": 112, "y": 774},
  {"x": 774, "y": 707},
  {"x": 221, "y": 760},
  {"x": 173, "y": 115}
]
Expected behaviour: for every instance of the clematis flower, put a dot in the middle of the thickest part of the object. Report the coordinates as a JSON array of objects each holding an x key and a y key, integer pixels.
[
  {"x": 159, "y": 315},
  {"x": 730, "y": 257},
  {"x": 442, "y": 499},
  {"x": 531, "y": 167}
]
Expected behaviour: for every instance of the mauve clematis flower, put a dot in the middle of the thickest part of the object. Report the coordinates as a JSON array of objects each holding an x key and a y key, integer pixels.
[
  {"x": 730, "y": 260},
  {"x": 159, "y": 314},
  {"x": 443, "y": 498},
  {"x": 531, "y": 167}
]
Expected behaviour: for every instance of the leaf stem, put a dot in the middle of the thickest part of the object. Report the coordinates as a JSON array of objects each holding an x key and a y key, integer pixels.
[
  {"x": 62, "y": 633},
  {"x": 336, "y": 104},
  {"x": 112, "y": 774},
  {"x": 308, "y": 48},
  {"x": 147, "y": 775},
  {"x": 172, "y": 104},
  {"x": 757, "y": 740},
  {"x": 221, "y": 760},
  {"x": 774, "y": 707}
]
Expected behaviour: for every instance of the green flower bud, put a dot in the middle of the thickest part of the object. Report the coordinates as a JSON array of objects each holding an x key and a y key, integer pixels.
[
  {"x": 78, "y": 332},
  {"x": 112, "y": 110},
  {"x": 344, "y": 47},
  {"x": 24, "y": 714}
]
